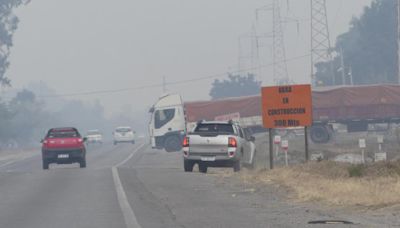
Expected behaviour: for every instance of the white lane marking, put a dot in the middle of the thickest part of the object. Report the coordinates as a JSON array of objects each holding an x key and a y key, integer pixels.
[
  {"x": 129, "y": 215},
  {"x": 16, "y": 160},
  {"x": 130, "y": 156},
  {"x": 8, "y": 163}
]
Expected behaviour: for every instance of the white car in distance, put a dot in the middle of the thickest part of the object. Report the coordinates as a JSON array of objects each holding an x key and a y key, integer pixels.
[
  {"x": 124, "y": 135},
  {"x": 94, "y": 136}
]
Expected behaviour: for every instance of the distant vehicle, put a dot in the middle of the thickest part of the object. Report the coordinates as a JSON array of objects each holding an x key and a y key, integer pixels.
[
  {"x": 124, "y": 135},
  {"x": 94, "y": 136},
  {"x": 63, "y": 146},
  {"x": 218, "y": 144}
]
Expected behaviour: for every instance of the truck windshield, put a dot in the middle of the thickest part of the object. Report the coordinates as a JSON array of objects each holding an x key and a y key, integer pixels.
[
  {"x": 214, "y": 128},
  {"x": 162, "y": 117}
]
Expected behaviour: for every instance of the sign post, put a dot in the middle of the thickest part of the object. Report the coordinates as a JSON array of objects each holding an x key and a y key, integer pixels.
[
  {"x": 271, "y": 150},
  {"x": 285, "y": 147},
  {"x": 306, "y": 143},
  {"x": 380, "y": 141},
  {"x": 381, "y": 155},
  {"x": 277, "y": 141},
  {"x": 286, "y": 107},
  {"x": 362, "y": 143}
]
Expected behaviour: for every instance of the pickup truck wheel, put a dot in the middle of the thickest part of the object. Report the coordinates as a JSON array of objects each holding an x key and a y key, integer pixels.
[
  {"x": 172, "y": 144},
  {"x": 236, "y": 166},
  {"x": 82, "y": 163},
  {"x": 202, "y": 168},
  {"x": 45, "y": 164},
  {"x": 253, "y": 161},
  {"x": 188, "y": 165}
]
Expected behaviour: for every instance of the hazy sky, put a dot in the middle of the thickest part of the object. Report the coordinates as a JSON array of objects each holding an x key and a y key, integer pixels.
[{"x": 77, "y": 46}]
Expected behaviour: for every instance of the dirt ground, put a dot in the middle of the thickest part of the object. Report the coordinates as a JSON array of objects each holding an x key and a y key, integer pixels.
[{"x": 374, "y": 184}]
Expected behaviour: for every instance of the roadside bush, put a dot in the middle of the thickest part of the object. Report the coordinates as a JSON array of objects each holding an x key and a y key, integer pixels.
[{"x": 356, "y": 170}]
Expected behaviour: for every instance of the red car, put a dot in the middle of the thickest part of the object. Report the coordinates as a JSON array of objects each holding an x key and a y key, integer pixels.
[{"x": 63, "y": 146}]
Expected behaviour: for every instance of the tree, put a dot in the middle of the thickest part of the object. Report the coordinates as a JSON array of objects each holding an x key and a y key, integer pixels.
[
  {"x": 369, "y": 48},
  {"x": 5, "y": 117},
  {"x": 8, "y": 25},
  {"x": 27, "y": 116},
  {"x": 235, "y": 86}
]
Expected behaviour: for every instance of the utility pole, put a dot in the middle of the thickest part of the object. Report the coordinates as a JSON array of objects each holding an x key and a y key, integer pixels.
[
  {"x": 255, "y": 53},
  {"x": 351, "y": 76},
  {"x": 240, "y": 55},
  {"x": 280, "y": 71},
  {"x": 398, "y": 40},
  {"x": 250, "y": 59},
  {"x": 164, "y": 85},
  {"x": 342, "y": 67},
  {"x": 320, "y": 41}
]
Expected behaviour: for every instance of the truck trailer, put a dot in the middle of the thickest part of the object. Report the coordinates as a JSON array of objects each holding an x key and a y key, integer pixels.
[{"x": 356, "y": 107}]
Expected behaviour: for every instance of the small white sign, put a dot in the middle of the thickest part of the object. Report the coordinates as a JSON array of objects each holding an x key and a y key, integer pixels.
[
  {"x": 380, "y": 139},
  {"x": 231, "y": 116},
  {"x": 317, "y": 157},
  {"x": 277, "y": 139},
  {"x": 285, "y": 144},
  {"x": 380, "y": 157},
  {"x": 362, "y": 143}
]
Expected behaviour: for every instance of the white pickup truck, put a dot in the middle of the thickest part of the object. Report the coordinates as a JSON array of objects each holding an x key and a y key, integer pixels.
[{"x": 218, "y": 144}]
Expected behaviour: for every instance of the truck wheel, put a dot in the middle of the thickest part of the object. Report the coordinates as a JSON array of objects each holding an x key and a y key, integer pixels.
[
  {"x": 188, "y": 165},
  {"x": 236, "y": 166},
  {"x": 203, "y": 168},
  {"x": 172, "y": 144},
  {"x": 82, "y": 163},
  {"x": 45, "y": 164},
  {"x": 133, "y": 142},
  {"x": 115, "y": 143},
  {"x": 320, "y": 134}
]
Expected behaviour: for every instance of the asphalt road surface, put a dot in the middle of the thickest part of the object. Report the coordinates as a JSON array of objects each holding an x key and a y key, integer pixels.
[{"x": 137, "y": 187}]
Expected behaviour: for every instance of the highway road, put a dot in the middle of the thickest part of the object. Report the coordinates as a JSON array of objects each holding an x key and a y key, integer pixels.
[{"x": 134, "y": 186}]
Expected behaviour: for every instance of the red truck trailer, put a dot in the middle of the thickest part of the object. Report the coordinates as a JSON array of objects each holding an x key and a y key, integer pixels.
[{"x": 356, "y": 107}]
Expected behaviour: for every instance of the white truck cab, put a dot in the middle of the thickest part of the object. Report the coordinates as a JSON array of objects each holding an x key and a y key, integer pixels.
[{"x": 167, "y": 125}]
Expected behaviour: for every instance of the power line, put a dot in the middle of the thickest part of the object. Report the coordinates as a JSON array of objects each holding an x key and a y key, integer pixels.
[{"x": 158, "y": 85}]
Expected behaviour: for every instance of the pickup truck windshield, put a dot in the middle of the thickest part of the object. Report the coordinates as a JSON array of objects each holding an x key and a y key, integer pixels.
[
  {"x": 214, "y": 128},
  {"x": 63, "y": 134}
]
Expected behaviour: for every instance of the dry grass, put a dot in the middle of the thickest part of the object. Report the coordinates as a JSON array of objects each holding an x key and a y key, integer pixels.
[{"x": 328, "y": 182}]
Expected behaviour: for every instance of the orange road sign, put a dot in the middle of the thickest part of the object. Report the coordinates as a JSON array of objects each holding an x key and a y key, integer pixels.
[{"x": 287, "y": 106}]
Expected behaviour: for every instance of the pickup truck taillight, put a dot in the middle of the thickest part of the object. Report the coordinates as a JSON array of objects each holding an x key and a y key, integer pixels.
[
  {"x": 185, "y": 142},
  {"x": 232, "y": 142}
]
